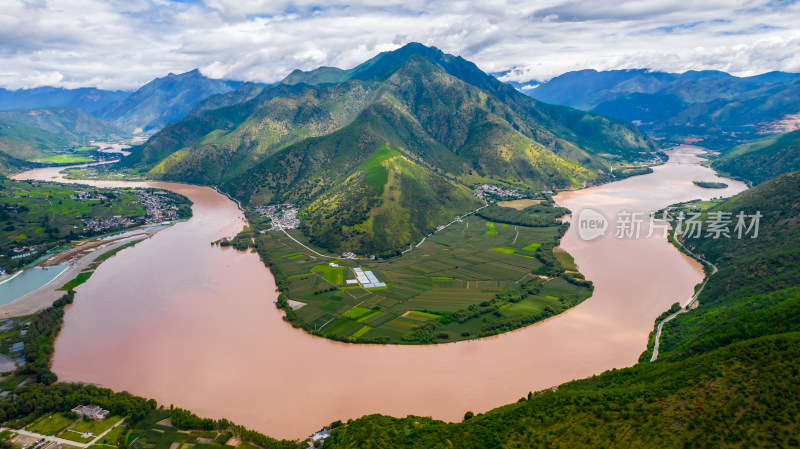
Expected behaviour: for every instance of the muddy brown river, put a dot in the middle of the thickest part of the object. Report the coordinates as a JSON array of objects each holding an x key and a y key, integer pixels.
[{"x": 194, "y": 325}]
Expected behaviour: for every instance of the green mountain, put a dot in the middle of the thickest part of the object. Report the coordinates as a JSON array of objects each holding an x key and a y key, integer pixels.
[
  {"x": 757, "y": 289},
  {"x": 722, "y": 109},
  {"x": 726, "y": 376},
  {"x": 8, "y": 163},
  {"x": 27, "y": 142},
  {"x": 764, "y": 159},
  {"x": 40, "y": 133},
  {"x": 69, "y": 123},
  {"x": 163, "y": 101},
  {"x": 399, "y": 138}
]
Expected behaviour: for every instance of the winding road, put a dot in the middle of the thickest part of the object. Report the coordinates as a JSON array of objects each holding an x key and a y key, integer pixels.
[{"x": 688, "y": 306}]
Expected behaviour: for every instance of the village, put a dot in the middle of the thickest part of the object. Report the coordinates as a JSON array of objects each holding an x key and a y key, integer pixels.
[
  {"x": 484, "y": 190},
  {"x": 283, "y": 216},
  {"x": 159, "y": 208}
]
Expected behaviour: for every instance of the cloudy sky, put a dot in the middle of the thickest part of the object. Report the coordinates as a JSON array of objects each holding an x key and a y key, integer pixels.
[{"x": 122, "y": 44}]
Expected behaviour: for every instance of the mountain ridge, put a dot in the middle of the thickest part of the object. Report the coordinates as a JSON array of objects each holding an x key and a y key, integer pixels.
[{"x": 445, "y": 118}]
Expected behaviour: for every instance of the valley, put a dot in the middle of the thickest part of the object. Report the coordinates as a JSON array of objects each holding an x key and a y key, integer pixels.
[{"x": 288, "y": 225}]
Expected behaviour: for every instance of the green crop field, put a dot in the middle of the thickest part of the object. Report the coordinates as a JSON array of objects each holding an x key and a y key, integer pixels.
[
  {"x": 334, "y": 275},
  {"x": 86, "y": 149},
  {"x": 454, "y": 286},
  {"x": 64, "y": 159}
]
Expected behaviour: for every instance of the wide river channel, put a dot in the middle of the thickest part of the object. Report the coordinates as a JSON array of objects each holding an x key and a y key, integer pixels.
[{"x": 187, "y": 323}]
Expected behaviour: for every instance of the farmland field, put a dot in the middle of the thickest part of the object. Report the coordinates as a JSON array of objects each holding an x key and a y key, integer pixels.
[
  {"x": 472, "y": 279},
  {"x": 519, "y": 204},
  {"x": 64, "y": 159}
]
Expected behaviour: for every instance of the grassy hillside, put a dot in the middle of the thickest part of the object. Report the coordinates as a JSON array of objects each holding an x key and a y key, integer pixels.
[
  {"x": 757, "y": 288},
  {"x": 10, "y": 164},
  {"x": 726, "y": 375},
  {"x": 69, "y": 123},
  {"x": 764, "y": 159},
  {"x": 52, "y": 135},
  {"x": 315, "y": 140},
  {"x": 27, "y": 142}
]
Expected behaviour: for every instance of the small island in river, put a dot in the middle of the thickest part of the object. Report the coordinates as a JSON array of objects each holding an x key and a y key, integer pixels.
[{"x": 710, "y": 184}]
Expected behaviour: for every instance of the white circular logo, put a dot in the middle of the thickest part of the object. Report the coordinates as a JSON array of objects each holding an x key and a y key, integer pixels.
[{"x": 591, "y": 224}]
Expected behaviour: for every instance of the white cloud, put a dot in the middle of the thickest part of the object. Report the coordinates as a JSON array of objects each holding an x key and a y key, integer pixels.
[{"x": 123, "y": 44}]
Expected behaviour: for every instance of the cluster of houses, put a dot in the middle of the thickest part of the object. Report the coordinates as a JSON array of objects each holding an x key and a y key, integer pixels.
[
  {"x": 283, "y": 216},
  {"x": 106, "y": 224},
  {"x": 484, "y": 190},
  {"x": 25, "y": 251},
  {"x": 87, "y": 196},
  {"x": 159, "y": 206}
]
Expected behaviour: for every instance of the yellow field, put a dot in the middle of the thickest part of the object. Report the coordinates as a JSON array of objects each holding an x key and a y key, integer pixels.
[{"x": 519, "y": 204}]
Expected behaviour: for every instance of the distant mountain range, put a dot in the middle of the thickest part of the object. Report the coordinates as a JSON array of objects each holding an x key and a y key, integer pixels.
[
  {"x": 39, "y": 122},
  {"x": 146, "y": 110},
  {"x": 717, "y": 108},
  {"x": 163, "y": 101},
  {"x": 88, "y": 99},
  {"x": 378, "y": 155}
]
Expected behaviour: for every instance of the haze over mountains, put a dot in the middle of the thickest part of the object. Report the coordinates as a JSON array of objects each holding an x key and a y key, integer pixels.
[
  {"x": 163, "y": 100},
  {"x": 379, "y": 155},
  {"x": 720, "y": 109},
  {"x": 148, "y": 109},
  {"x": 89, "y": 99}
]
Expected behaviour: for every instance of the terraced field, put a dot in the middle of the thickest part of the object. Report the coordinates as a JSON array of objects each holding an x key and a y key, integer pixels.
[{"x": 455, "y": 286}]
